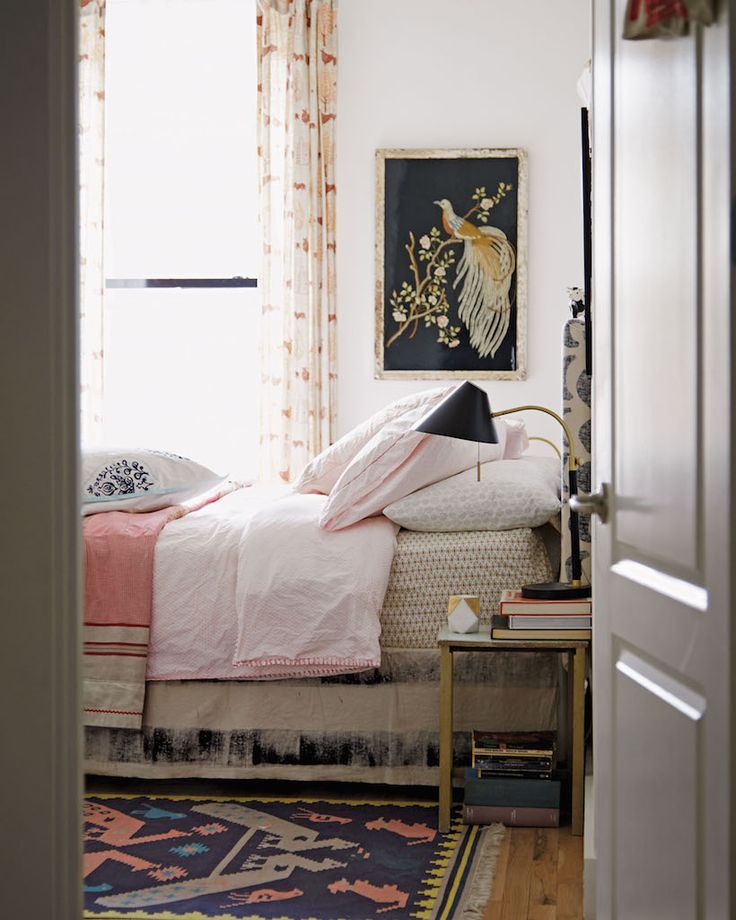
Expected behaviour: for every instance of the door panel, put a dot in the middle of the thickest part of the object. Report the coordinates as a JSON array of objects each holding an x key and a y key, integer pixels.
[
  {"x": 656, "y": 306},
  {"x": 664, "y": 430},
  {"x": 657, "y": 725}
]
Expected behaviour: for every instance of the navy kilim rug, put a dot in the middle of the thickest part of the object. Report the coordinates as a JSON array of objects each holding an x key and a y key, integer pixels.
[{"x": 180, "y": 858}]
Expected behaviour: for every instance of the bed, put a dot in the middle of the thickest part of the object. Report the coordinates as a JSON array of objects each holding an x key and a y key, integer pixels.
[{"x": 378, "y": 725}]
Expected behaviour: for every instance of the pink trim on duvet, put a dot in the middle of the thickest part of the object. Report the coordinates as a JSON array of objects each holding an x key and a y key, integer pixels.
[{"x": 283, "y": 668}]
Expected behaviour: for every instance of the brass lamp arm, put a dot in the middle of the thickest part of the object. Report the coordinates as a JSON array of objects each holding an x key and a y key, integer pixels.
[
  {"x": 572, "y": 460},
  {"x": 555, "y": 448}
]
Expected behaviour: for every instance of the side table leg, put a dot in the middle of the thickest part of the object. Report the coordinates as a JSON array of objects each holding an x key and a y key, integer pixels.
[
  {"x": 578, "y": 739},
  {"x": 445, "y": 738},
  {"x": 570, "y": 697}
]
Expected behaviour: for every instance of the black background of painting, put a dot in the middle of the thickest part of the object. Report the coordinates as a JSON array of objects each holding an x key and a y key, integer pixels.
[{"x": 410, "y": 188}]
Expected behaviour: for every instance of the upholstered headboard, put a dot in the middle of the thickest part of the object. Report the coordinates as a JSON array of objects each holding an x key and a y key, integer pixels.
[{"x": 576, "y": 411}]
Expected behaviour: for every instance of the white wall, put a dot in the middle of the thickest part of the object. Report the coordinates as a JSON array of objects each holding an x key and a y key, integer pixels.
[{"x": 502, "y": 74}]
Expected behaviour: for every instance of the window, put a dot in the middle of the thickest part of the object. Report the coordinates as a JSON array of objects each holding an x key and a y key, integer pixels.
[{"x": 181, "y": 362}]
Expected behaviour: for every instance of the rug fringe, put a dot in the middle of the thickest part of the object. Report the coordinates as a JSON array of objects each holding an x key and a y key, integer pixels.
[{"x": 479, "y": 891}]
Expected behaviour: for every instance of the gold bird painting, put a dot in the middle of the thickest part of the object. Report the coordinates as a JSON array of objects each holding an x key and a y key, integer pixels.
[{"x": 483, "y": 279}]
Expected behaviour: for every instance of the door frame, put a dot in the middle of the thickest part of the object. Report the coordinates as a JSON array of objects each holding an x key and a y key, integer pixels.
[{"x": 40, "y": 558}]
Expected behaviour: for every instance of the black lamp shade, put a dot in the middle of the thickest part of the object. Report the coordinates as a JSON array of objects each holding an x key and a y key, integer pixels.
[{"x": 465, "y": 413}]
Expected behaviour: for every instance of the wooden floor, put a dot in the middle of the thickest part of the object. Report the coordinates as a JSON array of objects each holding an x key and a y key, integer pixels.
[{"x": 539, "y": 876}]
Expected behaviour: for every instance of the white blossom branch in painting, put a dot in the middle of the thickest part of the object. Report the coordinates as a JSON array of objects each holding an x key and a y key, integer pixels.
[{"x": 423, "y": 299}]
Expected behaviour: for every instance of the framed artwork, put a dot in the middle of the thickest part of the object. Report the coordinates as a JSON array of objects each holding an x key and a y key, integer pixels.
[{"x": 451, "y": 236}]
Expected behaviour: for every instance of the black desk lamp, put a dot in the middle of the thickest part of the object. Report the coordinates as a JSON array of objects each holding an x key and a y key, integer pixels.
[{"x": 466, "y": 414}]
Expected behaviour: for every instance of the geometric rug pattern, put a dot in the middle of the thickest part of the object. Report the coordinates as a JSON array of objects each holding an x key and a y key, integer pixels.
[{"x": 218, "y": 858}]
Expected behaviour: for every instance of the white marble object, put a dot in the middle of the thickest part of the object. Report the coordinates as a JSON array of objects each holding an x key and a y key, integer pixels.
[{"x": 463, "y": 613}]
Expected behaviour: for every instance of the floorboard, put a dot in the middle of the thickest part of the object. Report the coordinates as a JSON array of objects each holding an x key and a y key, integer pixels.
[
  {"x": 570, "y": 878},
  {"x": 539, "y": 876},
  {"x": 543, "y": 883},
  {"x": 518, "y": 876}
]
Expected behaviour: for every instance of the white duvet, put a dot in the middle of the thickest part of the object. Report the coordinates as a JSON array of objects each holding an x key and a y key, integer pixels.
[{"x": 252, "y": 587}]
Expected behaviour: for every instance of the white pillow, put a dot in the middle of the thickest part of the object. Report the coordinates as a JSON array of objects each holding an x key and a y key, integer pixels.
[
  {"x": 398, "y": 461},
  {"x": 511, "y": 493},
  {"x": 321, "y": 474},
  {"x": 140, "y": 480}
]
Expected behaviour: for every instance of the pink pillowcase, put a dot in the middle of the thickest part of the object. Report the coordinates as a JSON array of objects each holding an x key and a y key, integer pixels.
[
  {"x": 321, "y": 474},
  {"x": 398, "y": 461}
]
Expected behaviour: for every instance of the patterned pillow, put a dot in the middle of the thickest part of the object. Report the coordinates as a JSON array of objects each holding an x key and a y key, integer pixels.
[
  {"x": 140, "y": 480},
  {"x": 511, "y": 493}
]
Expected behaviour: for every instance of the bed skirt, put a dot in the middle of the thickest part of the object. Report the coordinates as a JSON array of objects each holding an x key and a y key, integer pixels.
[{"x": 379, "y": 726}]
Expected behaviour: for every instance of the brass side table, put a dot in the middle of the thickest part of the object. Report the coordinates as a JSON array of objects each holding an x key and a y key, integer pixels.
[{"x": 450, "y": 642}]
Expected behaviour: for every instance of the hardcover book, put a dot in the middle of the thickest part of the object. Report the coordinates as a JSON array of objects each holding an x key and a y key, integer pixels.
[
  {"x": 521, "y": 741},
  {"x": 493, "y": 762},
  {"x": 535, "y": 621},
  {"x": 511, "y": 816},
  {"x": 515, "y": 773},
  {"x": 520, "y": 793},
  {"x": 512, "y": 603},
  {"x": 500, "y": 630},
  {"x": 512, "y": 752}
]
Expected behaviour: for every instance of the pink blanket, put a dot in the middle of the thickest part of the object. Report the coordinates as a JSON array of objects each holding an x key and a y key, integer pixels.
[
  {"x": 308, "y": 600},
  {"x": 118, "y": 580}
]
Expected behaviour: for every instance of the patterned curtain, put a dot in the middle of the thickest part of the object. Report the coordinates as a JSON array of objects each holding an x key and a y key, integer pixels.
[
  {"x": 296, "y": 146},
  {"x": 91, "y": 197}
]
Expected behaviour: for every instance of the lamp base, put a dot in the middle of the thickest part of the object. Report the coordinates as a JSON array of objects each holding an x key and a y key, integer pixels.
[{"x": 556, "y": 591}]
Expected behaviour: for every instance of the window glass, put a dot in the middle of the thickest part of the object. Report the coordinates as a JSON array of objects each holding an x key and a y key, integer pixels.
[
  {"x": 181, "y": 374},
  {"x": 180, "y": 147},
  {"x": 181, "y": 365}
]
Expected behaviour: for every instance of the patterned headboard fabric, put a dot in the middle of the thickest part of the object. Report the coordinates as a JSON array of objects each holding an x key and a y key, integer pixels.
[{"x": 576, "y": 412}]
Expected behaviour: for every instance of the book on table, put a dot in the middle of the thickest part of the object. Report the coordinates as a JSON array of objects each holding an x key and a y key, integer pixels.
[
  {"x": 536, "y": 621},
  {"x": 500, "y": 629},
  {"x": 513, "y": 604}
]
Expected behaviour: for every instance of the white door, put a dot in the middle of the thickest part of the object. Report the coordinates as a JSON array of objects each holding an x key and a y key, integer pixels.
[{"x": 663, "y": 426}]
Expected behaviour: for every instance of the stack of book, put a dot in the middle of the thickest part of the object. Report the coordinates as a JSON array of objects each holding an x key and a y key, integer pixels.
[
  {"x": 513, "y": 802},
  {"x": 510, "y": 780},
  {"x": 513, "y": 755},
  {"x": 527, "y": 618}
]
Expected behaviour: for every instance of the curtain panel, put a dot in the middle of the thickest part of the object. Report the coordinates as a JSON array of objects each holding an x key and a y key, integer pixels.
[
  {"x": 91, "y": 129},
  {"x": 297, "y": 64}
]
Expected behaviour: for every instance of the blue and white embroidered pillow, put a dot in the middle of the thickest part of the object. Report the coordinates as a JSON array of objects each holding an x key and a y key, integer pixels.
[{"x": 140, "y": 480}]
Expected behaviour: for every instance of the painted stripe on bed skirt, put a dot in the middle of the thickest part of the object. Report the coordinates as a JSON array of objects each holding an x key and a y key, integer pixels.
[
  {"x": 379, "y": 726},
  {"x": 402, "y": 745},
  {"x": 265, "y": 748}
]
